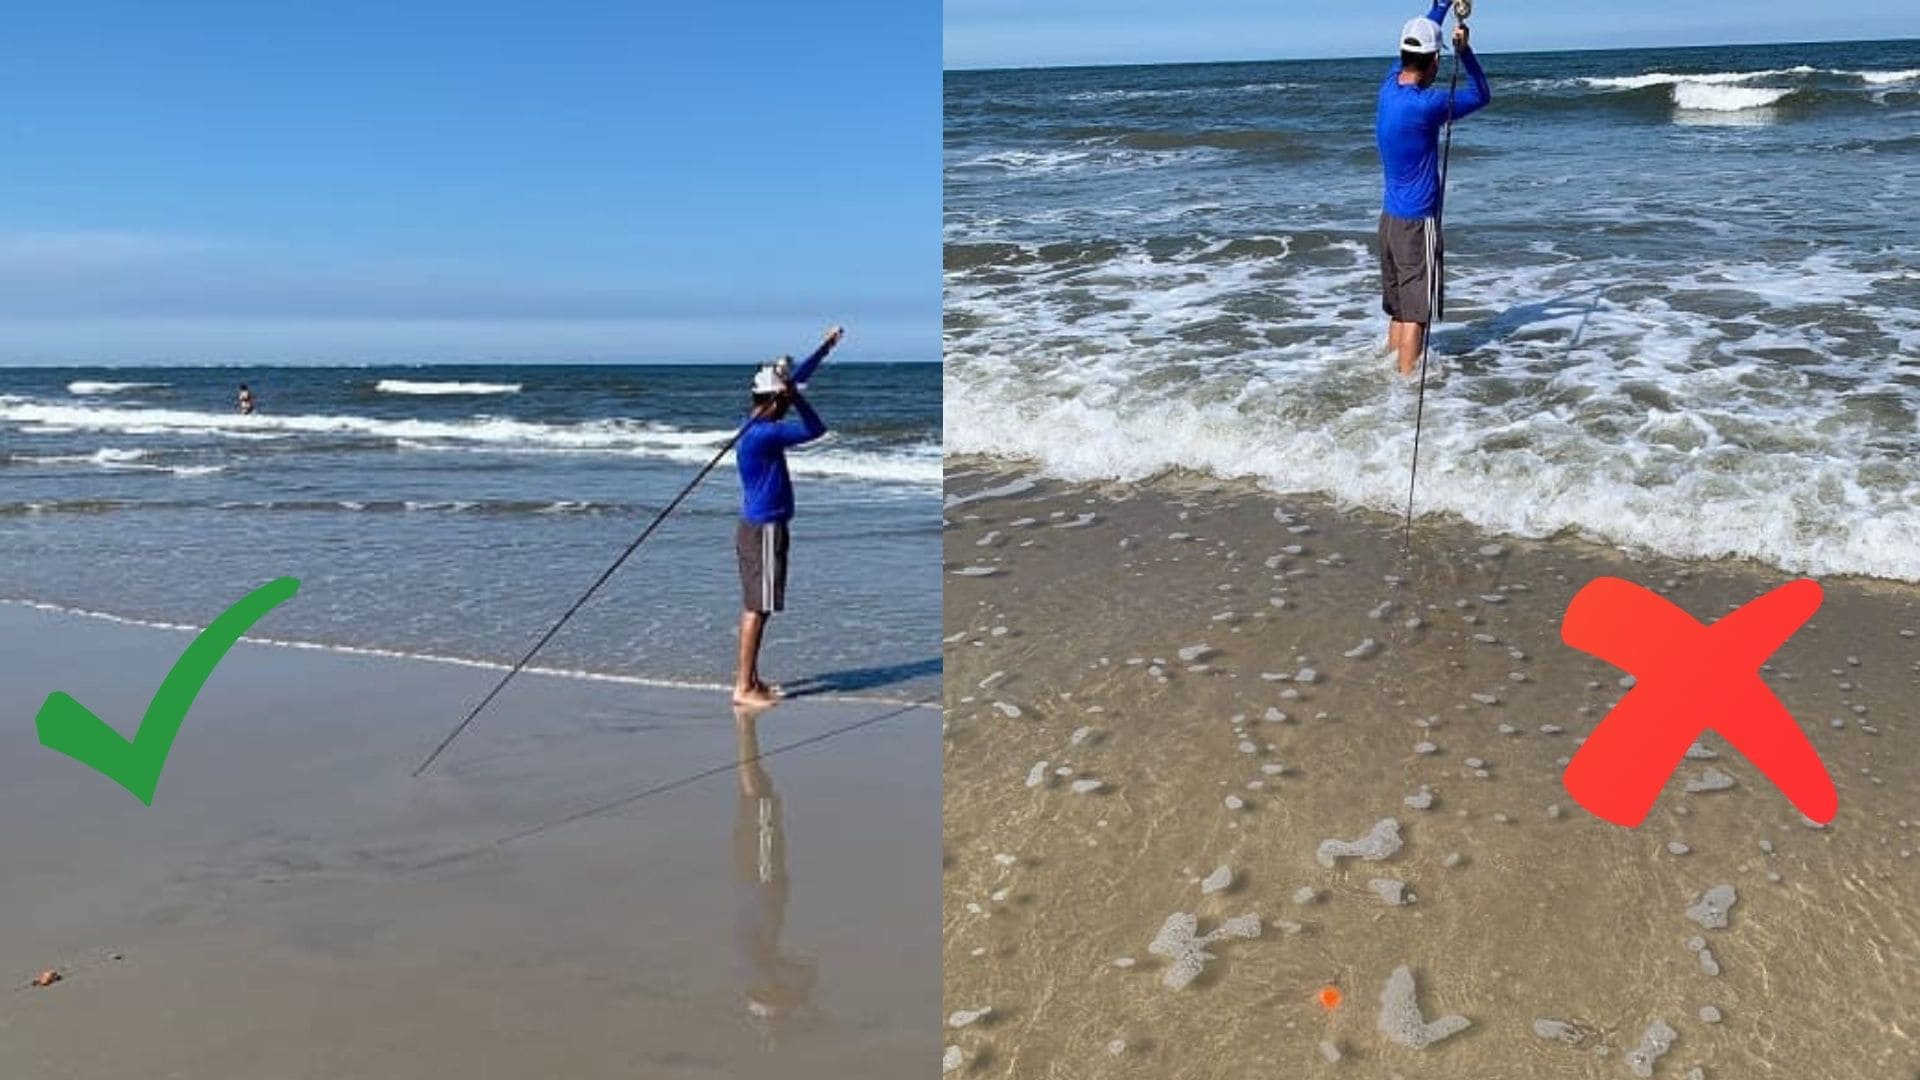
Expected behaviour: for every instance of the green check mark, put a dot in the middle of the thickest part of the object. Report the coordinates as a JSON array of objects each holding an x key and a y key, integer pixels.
[{"x": 71, "y": 728}]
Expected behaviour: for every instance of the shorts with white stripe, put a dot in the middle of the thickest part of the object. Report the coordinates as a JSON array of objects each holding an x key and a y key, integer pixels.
[
  {"x": 762, "y": 550},
  {"x": 1412, "y": 255}
]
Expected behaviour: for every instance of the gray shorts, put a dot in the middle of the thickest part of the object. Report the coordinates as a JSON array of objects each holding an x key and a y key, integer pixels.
[
  {"x": 1413, "y": 254},
  {"x": 762, "y": 550}
]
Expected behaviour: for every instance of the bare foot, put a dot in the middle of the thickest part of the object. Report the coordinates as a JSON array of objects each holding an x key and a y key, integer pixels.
[
  {"x": 773, "y": 690},
  {"x": 754, "y": 697}
]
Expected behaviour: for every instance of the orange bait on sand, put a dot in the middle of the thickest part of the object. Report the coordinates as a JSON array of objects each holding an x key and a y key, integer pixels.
[
  {"x": 1329, "y": 997},
  {"x": 46, "y": 978}
]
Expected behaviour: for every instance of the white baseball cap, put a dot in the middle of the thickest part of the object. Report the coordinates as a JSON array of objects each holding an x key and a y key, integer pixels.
[
  {"x": 1420, "y": 35},
  {"x": 772, "y": 378}
]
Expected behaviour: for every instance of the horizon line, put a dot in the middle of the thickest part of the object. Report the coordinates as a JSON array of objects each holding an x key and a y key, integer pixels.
[
  {"x": 1383, "y": 56},
  {"x": 19, "y": 365}
]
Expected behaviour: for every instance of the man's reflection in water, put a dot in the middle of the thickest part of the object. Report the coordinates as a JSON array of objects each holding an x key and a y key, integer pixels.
[{"x": 776, "y": 986}]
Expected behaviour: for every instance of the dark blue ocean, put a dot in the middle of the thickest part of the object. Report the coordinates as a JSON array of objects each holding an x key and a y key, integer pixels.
[
  {"x": 1684, "y": 292},
  {"x": 456, "y": 511}
]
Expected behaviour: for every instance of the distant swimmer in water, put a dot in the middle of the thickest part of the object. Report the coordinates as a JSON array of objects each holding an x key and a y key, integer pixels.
[
  {"x": 246, "y": 400},
  {"x": 1412, "y": 114}
]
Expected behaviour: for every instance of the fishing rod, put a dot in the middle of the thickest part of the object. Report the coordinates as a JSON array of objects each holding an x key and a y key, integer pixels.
[
  {"x": 694, "y": 778},
  {"x": 1462, "y": 11},
  {"x": 604, "y": 577}
]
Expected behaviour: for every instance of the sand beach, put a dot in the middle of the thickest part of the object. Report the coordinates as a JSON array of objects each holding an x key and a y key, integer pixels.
[{"x": 588, "y": 885}]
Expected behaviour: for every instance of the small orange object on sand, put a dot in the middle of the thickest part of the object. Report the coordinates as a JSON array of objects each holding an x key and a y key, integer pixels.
[
  {"x": 1329, "y": 997},
  {"x": 46, "y": 978}
]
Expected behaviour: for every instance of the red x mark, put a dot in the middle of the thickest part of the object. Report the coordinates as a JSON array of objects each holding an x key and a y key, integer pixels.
[{"x": 1689, "y": 677}]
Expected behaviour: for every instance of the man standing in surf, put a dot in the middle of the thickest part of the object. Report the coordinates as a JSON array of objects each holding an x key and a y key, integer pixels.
[
  {"x": 766, "y": 505},
  {"x": 1413, "y": 112}
]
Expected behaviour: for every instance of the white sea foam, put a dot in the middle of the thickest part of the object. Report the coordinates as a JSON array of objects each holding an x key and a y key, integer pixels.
[
  {"x": 1401, "y": 1020},
  {"x": 1654, "y": 1044},
  {"x": 1641, "y": 422},
  {"x": 1711, "y": 78},
  {"x": 1180, "y": 942},
  {"x": 1714, "y": 91},
  {"x": 1184, "y": 92},
  {"x": 409, "y": 386},
  {"x": 105, "y": 456},
  {"x": 117, "y": 459},
  {"x": 89, "y": 388},
  {"x": 1652, "y": 372},
  {"x": 916, "y": 465},
  {"x": 578, "y": 674},
  {"x": 1702, "y": 97},
  {"x": 1724, "y": 90},
  {"x": 1040, "y": 161},
  {"x": 1092, "y": 155}
]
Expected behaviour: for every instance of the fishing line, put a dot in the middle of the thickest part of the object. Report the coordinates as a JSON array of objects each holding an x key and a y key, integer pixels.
[
  {"x": 671, "y": 785},
  {"x": 1462, "y": 9},
  {"x": 591, "y": 589},
  {"x": 483, "y": 850}
]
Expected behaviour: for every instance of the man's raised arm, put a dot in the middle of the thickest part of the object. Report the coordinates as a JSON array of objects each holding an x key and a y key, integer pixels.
[
  {"x": 1477, "y": 93},
  {"x": 807, "y": 366}
]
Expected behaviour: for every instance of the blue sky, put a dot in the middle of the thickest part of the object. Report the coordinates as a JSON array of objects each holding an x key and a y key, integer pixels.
[
  {"x": 437, "y": 181},
  {"x": 1025, "y": 33}
]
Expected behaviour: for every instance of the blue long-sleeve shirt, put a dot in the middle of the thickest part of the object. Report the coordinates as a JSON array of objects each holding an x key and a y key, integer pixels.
[
  {"x": 766, "y": 489},
  {"x": 1408, "y": 130}
]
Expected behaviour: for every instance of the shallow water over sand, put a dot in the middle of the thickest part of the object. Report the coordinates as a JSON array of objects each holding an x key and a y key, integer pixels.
[{"x": 1203, "y": 653}]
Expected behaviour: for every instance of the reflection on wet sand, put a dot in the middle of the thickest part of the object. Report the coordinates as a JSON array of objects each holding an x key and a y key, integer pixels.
[{"x": 777, "y": 987}]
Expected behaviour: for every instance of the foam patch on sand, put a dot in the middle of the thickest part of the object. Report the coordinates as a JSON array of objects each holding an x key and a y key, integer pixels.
[
  {"x": 1379, "y": 843},
  {"x": 1400, "y": 1019},
  {"x": 1179, "y": 940}
]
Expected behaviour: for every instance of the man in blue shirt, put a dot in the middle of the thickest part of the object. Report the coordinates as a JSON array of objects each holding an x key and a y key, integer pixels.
[
  {"x": 766, "y": 504},
  {"x": 1412, "y": 114}
]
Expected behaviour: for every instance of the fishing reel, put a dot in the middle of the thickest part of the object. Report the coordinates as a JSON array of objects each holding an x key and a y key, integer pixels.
[{"x": 1463, "y": 9}]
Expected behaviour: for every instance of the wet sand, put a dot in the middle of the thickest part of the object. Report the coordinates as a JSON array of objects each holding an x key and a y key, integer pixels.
[
  {"x": 293, "y": 905},
  {"x": 1200, "y": 651}
]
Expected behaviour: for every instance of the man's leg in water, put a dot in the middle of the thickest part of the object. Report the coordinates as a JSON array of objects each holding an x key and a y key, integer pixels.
[
  {"x": 1412, "y": 337},
  {"x": 747, "y": 687}
]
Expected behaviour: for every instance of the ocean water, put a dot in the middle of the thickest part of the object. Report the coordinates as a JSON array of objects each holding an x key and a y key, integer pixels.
[
  {"x": 457, "y": 512},
  {"x": 1684, "y": 292}
]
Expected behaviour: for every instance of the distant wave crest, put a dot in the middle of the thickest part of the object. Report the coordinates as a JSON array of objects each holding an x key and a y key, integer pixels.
[
  {"x": 1704, "y": 97},
  {"x": 114, "y": 458},
  {"x": 421, "y": 387},
  {"x": 90, "y": 388},
  {"x": 914, "y": 465},
  {"x": 1724, "y": 78}
]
